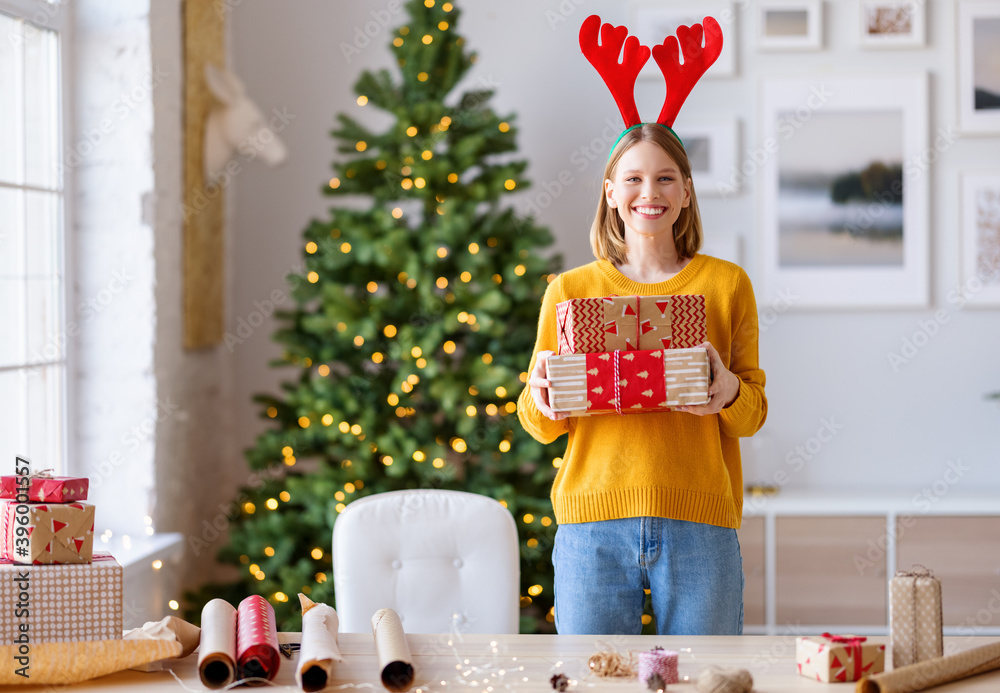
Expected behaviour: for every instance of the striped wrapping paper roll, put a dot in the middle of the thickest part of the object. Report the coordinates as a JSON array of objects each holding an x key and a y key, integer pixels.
[{"x": 257, "y": 653}]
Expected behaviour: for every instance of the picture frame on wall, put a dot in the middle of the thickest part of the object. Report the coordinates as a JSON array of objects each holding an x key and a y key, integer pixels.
[
  {"x": 712, "y": 148},
  {"x": 980, "y": 234},
  {"x": 790, "y": 25},
  {"x": 843, "y": 205},
  {"x": 979, "y": 66},
  {"x": 893, "y": 24},
  {"x": 653, "y": 22}
]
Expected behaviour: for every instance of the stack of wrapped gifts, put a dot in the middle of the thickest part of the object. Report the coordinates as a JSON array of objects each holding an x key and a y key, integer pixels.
[
  {"x": 625, "y": 354},
  {"x": 53, "y": 587}
]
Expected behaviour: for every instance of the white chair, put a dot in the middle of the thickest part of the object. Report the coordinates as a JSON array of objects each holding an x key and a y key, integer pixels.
[{"x": 442, "y": 560}]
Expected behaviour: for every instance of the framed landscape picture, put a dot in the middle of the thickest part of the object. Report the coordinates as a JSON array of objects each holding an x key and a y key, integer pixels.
[
  {"x": 980, "y": 277},
  {"x": 790, "y": 25},
  {"x": 843, "y": 220},
  {"x": 651, "y": 23},
  {"x": 979, "y": 66},
  {"x": 893, "y": 24}
]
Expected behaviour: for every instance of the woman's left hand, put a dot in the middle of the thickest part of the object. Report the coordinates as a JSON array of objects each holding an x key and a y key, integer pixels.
[{"x": 722, "y": 392}]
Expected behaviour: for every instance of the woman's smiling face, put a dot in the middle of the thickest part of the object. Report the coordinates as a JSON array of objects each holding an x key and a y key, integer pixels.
[{"x": 648, "y": 190}]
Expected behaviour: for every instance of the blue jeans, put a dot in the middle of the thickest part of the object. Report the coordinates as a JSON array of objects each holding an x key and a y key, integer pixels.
[{"x": 694, "y": 572}]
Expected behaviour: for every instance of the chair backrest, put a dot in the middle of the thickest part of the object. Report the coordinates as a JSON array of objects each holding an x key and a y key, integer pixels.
[{"x": 442, "y": 560}]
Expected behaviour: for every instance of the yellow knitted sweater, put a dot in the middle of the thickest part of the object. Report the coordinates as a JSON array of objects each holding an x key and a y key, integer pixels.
[{"x": 663, "y": 464}]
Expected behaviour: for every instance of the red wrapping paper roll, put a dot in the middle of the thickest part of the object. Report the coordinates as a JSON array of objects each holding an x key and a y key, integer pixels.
[{"x": 257, "y": 654}]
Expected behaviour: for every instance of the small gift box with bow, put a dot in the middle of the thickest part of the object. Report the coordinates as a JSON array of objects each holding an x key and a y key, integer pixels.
[
  {"x": 915, "y": 623},
  {"x": 838, "y": 658},
  {"x": 46, "y": 533},
  {"x": 45, "y": 488}
]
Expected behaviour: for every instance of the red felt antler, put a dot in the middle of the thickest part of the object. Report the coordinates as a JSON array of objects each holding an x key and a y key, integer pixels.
[
  {"x": 619, "y": 76},
  {"x": 680, "y": 78}
]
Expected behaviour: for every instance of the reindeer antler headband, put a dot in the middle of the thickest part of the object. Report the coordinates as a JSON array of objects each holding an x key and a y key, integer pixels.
[{"x": 620, "y": 76}]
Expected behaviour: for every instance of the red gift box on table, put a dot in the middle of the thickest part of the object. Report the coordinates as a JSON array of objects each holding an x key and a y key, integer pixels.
[
  {"x": 53, "y": 532},
  {"x": 47, "y": 489},
  {"x": 626, "y": 382},
  {"x": 62, "y": 603},
  {"x": 838, "y": 658},
  {"x": 626, "y": 323}
]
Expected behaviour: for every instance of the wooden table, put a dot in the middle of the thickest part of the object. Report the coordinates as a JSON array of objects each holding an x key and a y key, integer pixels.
[{"x": 526, "y": 662}]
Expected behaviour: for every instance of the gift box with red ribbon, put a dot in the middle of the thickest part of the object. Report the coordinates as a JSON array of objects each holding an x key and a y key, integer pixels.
[
  {"x": 628, "y": 323},
  {"x": 838, "y": 658},
  {"x": 43, "y": 488},
  {"x": 46, "y": 533},
  {"x": 626, "y": 382}
]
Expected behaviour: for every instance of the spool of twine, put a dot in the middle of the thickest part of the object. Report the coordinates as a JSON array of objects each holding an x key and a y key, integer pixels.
[
  {"x": 717, "y": 680},
  {"x": 659, "y": 662},
  {"x": 611, "y": 664}
]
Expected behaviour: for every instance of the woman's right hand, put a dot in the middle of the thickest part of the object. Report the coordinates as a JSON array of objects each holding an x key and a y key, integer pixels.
[{"x": 539, "y": 383}]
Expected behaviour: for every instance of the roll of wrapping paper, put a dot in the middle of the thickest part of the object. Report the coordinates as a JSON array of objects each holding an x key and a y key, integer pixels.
[
  {"x": 257, "y": 654},
  {"x": 319, "y": 649},
  {"x": 392, "y": 650},
  {"x": 217, "y": 652},
  {"x": 934, "y": 672}
]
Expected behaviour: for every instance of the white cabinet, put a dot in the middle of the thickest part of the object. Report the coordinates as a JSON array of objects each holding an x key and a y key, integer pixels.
[{"x": 818, "y": 561}]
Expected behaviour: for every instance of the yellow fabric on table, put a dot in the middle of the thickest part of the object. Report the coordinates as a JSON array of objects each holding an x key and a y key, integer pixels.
[{"x": 73, "y": 662}]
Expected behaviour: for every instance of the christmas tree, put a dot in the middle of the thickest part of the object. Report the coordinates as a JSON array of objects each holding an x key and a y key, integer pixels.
[{"x": 414, "y": 323}]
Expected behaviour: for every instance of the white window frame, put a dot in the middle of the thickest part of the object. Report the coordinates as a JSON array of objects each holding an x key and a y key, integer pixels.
[{"x": 56, "y": 16}]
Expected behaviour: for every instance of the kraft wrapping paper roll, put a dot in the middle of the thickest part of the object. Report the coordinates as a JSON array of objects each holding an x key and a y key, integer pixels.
[
  {"x": 319, "y": 649},
  {"x": 217, "y": 653},
  {"x": 394, "y": 660},
  {"x": 257, "y": 654},
  {"x": 934, "y": 672}
]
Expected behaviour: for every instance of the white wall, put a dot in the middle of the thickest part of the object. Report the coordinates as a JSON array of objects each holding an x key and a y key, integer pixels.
[{"x": 892, "y": 427}]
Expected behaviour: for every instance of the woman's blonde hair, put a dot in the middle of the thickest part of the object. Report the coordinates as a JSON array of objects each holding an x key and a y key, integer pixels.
[{"x": 607, "y": 234}]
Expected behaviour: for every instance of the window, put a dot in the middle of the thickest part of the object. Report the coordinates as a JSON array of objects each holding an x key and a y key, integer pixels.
[{"x": 33, "y": 339}]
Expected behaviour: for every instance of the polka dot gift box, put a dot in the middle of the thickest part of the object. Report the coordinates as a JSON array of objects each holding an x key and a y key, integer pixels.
[
  {"x": 61, "y": 603},
  {"x": 915, "y": 621}
]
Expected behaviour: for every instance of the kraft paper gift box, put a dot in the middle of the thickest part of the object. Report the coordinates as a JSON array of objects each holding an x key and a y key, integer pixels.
[
  {"x": 628, "y": 382},
  {"x": 594, "y": 325},
  {"x": 51, "y": 533},
  {"x": 43, "y": 488},
  {"x": 838, "y": 658},
  {"x": 915, "y": 623},
  {"x": 61, "y": 603}
]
